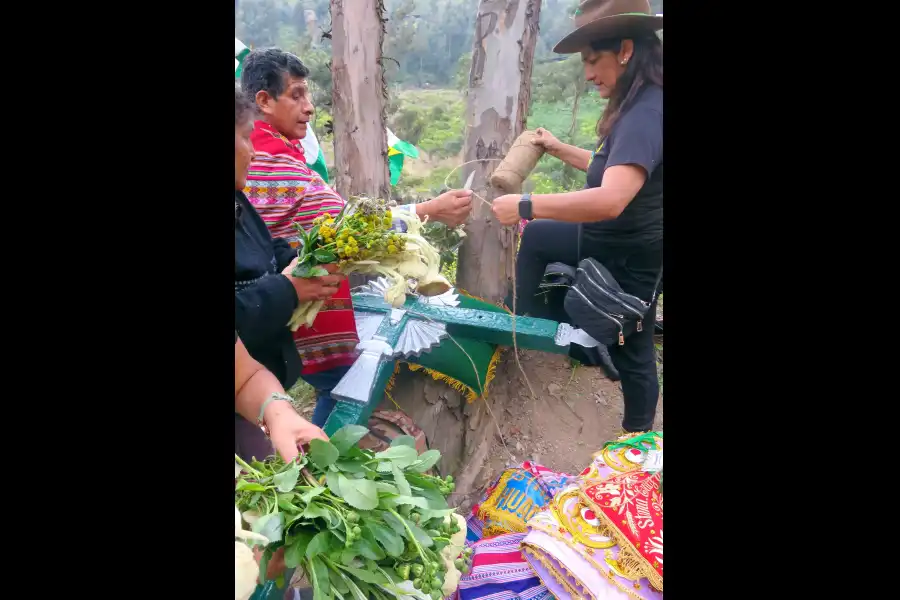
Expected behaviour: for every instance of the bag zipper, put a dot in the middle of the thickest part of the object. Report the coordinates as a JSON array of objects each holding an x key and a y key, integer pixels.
[
  {"x": 604, "y": 313},
  {"x": 621, "y": 303}
]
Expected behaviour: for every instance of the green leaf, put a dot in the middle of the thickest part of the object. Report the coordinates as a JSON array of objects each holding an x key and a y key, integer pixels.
[
  {"x": 286, "y": 480},
  {"x": 401, "y": 482},
  {"x": 302, "y": 270},
  {"x": 321, "y": 544},
  {"x": 436, "y": 514},
  {"x": 394, "y": 523},
  {"x": 389, "y": 540},
  {"x": 322, "y": 453},
  {"x": 373, "y": 577},
  {"x": 427, "y": 460},
  {"x": 314, "y": 511},
  {"x": 402, "y": 456},
  {"x": 295, "y": 552},
  {"x": 404, "y": 440},
  {"x": 347, "y": 436},
  {"x": 318, "y": 575},
  {"x": 348, "y": 556},
  {"x": 423, "y": 538},
  {"x": 367, "y": 548},
  {"x": 246, "y": 486},
  {"x": 331, "y": 479},
  {"x": 410, "y": 500},
  {"x": 383, "y": 486},
  {"x": 436, "y": 500},
  {"x": 271, "y": 526},
  {"x": 318, "y": 271},
  {"x": 350, "y": 466},
  {"x": 307, "y": 497},
  {"x": 285, "y": 502},
  {"x": 324, "y": 256},
  {"x": 337, "y": 584},
  {"x": 359, "y": 493}
]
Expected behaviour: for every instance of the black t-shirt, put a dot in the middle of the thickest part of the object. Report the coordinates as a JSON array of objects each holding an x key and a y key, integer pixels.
[{"x": 636, "y": 139}]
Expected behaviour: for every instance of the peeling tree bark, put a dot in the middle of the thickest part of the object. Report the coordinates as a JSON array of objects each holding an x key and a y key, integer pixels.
[
  {"x": 358, "y": 95},
  {"x": 499, "y": 98}
]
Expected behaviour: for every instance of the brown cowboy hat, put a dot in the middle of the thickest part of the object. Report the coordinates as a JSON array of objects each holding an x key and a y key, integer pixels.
[{"x": 604, "y": 19}]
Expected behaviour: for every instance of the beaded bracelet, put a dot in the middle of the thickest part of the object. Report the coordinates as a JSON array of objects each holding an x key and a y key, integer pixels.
[{"x": 274, "y": 396}]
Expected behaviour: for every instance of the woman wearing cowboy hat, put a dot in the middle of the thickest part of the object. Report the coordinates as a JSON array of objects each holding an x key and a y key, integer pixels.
[{"x": 618, "y": 218}]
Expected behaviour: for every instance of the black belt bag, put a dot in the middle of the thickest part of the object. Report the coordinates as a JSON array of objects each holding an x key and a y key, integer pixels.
[{"x": 597, "y": 304}]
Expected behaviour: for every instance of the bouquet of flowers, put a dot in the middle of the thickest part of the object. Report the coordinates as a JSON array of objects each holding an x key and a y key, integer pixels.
[{"x": 361, "y": 240}]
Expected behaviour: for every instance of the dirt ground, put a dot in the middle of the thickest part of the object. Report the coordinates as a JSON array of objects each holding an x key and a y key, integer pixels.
[{"x": 577, "y": 409}]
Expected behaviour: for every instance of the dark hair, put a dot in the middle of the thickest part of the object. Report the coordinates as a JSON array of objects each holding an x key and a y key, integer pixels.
[
  {"x": 266, "y": 70},
  {"x": 244, "y": 107},
  {"x": 645, "y": 67}
]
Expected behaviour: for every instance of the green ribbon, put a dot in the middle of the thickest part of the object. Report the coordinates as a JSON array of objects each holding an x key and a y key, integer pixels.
[{"x": 643, "y": 442}]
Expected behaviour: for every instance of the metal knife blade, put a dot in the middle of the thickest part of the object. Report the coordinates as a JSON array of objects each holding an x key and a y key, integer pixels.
[{"x": 469, "y": 181}]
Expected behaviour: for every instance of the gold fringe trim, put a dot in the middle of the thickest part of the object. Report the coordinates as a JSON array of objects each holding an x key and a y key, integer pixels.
[
  {"x": 492, "y": 369},
  {"x": 608, "y": 572},
  {"x": 630, "y": 559},
  {"x": 570, "y": 589},
  {"x": 456, "y": 384}
]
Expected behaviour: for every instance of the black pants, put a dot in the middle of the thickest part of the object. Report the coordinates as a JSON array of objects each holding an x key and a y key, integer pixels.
[{"x": 544, "y": 242}]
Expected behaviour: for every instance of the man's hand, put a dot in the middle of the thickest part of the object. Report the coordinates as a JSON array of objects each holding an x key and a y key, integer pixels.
[
  {"x": 313, "y": 288},
  {"x": 506, "y": 209},
  {"x": 450, "y": 208}
]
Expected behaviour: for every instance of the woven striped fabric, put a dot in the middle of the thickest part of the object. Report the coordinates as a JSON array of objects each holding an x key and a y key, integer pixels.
[
  {"x": 287, "y": 193},
  {"x": 500, "y": 572}
]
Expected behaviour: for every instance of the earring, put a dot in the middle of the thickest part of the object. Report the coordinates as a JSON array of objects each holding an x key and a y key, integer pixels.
[{"x": 624, "y": 61}]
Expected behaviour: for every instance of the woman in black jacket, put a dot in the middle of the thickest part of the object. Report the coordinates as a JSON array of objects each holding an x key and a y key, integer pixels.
[
  {"x": 265, "y": 293},
  {"x": 618, "y": 218}
]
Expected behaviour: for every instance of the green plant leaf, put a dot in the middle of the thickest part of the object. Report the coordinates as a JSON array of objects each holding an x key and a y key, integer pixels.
[
  {"x": 286, "y": 480},
  {"x": 271, "y": 526},
  {"x": 316, "y": 511},
  {"x": 410, "y": 500},
  {"x": 383, "y": 486},
  {"x": 423, "y": 538},
  {"x": 393, "y": 522},
  {"x": 322, "y": 453},
  {"x": 246, "y": 486},
  {"x": 331, "y": 480},
  {"x": 359, "y": 493},
  {"x": 318, "y": 575},
  {"x": 404, "y": 440},
  {"x": 347, "y": 436},
  {"x": 389, "y": 540},
  {"x": 318, "y": 271},
  {"x": 307, "y": 497},
  {"x": 295, "y": 552},
  {"x": 402, "y": 456},
  {"x": 374, "y": 577},
  {"x": 350, "y": 466},
  {"x": 436, "y": 500},
  {"x": 324, "y": 256},
  {"x": 303, "y": 269},
  {"x": 427, "y": 460},
  {"x": 368, "y": 548},
  {"x": 320, "y": 544},
  {"x": 285, "y": 503},
  {"x": 401, "y": 482}
]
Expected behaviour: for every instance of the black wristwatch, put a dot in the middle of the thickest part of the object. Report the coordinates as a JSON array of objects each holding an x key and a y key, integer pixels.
[{"x": 525, "y": 210}]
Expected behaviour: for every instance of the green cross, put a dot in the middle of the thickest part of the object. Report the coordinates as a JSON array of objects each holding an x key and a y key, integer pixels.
[{"x": 381, "y": 329}]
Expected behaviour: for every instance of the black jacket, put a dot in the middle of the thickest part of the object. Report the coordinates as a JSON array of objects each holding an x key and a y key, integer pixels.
[{"x": 264, "y": 299}]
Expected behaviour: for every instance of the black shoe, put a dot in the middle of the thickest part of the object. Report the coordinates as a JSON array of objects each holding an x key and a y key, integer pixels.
[{"x": 595, "y": 357}]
